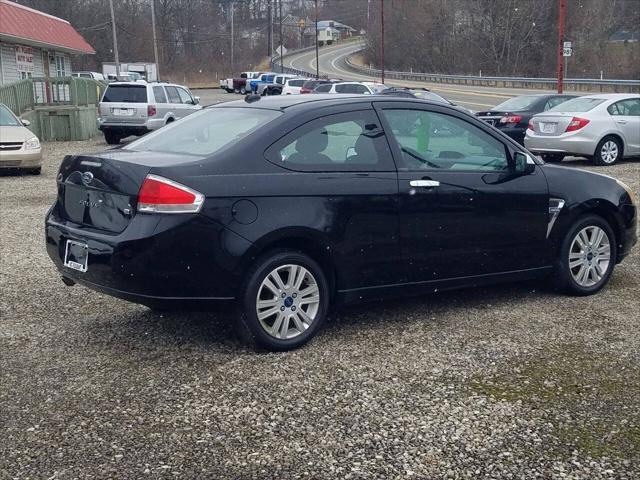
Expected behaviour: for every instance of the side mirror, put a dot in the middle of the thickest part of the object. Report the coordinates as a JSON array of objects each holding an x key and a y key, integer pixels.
[
  {"x": 196, "y": 100},
  {"x": 26, "y": 123},
  {"x": 523, "y": 164}
]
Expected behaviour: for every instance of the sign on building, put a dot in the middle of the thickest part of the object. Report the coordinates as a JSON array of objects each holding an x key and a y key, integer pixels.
[{"x": 24, "y": 59}]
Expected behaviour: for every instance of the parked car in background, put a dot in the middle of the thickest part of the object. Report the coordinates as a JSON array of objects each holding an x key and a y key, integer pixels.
[
  {"x": 603, "y": 128},
  {"x": 287, "y": 204},
  {"x": 421, "y": 93},
  {"x": 275, "y": 87},
  {"x": 310, "y": 85},
  {"x": 239, "y": 84},
  {"x": 512, "y": 117},
  {"x": 92, "y": 75},
  {"x": 263, "y": 78},
  {"x": 358, "y": 88},
  {"x": 293, "y": 86},
  {"x": 19, "y": 146},
  {"x": 134, "y": 108},
  {"x": 126, "y": 77}
]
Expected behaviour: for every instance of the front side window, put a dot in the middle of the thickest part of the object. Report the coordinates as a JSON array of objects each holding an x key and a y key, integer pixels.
[
  {"x": 629, "y": 107},
  {"x": 434, "y": 141},
  {"x": 351, "y": 141},
  {"x": 185, "y": 97}
]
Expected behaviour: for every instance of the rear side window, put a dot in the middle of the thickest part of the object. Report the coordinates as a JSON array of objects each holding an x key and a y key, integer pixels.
[
  {"x": 324, "y": 88},
  {"x": 342, "y": 142},
  {"x": 582, "y": 104},
  {"x": 158, "y": 92},
  {"x": 172, "y": 92},
  {"x": 296, "y": 83},
  {"x": 126, "y": 93},
  {"x": 206, "y": 131},
  {"x": 629, "y": 107},
  {"x": 344, "y": 88}
]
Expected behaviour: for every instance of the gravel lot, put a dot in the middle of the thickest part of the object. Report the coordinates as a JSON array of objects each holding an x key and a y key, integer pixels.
[{"x": 503, "y": 382}]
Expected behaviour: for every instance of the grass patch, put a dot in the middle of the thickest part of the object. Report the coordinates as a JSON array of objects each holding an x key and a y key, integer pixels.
[{"x": 592, "y": 400}]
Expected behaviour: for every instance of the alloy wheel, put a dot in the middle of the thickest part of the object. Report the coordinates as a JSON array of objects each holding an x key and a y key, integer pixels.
[
  {"x": 589, "y": 256},
  {"x": 288, "y": 301},
  {"x": 609, "y": 151}
]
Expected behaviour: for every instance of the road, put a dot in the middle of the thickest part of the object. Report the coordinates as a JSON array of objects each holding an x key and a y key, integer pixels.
[{"x": 332, "y": 63}]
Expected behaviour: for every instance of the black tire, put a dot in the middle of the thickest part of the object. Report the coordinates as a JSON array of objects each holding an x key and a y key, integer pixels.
[
  {"x": 251, "y": 329},
  {"x": 34, "y": 170},
  {"x": 169, "y": 120},
  {"x": 552, "y": 157},
  {"x": 229, "y": 90},
  {"x": 564, "y": 277},
  {"x": 111, "y": 138},
  {"x": 599, "y": 158},
  {"x": 243, "y": 91}
]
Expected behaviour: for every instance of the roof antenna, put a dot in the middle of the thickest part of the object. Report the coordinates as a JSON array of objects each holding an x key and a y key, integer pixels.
[{"x": 252, "y": 97}]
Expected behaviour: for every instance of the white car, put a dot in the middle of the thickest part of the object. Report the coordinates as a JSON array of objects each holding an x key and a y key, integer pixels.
[
  {"x": 603, "y": 127},
  {"x": 364, "y": 88},
  {"x": 293, "y": 85},
  {"x": 93, "y": 75}
]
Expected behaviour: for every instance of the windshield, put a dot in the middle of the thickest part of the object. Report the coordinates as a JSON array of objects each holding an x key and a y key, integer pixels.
[
  {"x": 205, "y": 132},
  {"x": 581, "y": 104},
  {"x": 517, "y": 104},
  {"x": 7, "y": 118},
  {"x": 126, "y": 93}
]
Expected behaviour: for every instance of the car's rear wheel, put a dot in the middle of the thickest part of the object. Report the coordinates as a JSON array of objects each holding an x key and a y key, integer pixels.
[
  {"x": 608, "y": 151},
  {"x": 284, "y": 302},
  {"x": 552, "y": 157},
  {"x": 111, "y": 138},
  {"x": 587, "y": 256}
]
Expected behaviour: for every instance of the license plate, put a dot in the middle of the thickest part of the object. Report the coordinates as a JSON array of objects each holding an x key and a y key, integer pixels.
[
  {"x": 76, "y": 255},
  {"x": 548, "y": 127},
  {"x": 125, "y": 112}
]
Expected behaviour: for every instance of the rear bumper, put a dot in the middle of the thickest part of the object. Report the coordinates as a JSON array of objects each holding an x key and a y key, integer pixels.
[
  {"x": 157, "y": 260},
  {"x": 21, "y": 158},
  {"x": 566, "y": 143}
]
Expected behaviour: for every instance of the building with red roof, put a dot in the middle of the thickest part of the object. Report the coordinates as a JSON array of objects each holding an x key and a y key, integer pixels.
[{"x": 36, "y": 44}]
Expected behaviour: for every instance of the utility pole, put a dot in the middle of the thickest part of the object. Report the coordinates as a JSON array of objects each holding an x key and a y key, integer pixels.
[
  {"x": 382, "y": 38},
  {"x": 269, "y": 31},
  {"x": 317, "y": 56},
  {"x": 281, "y": 45},
  {"x": 155, "y": 40},
  {"x": 115, "y": 40},
  {"x": 561, "y": 16},
  {"x": 232, "y": 60}
]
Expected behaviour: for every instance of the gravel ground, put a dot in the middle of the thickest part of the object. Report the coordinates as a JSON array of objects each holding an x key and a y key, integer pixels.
[{"x": 503, "y": 382}]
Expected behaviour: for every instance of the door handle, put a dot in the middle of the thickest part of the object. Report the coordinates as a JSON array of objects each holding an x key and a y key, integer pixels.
[
  {"x": 621, "y": 122},
  {"x": 424, "y": 183}
]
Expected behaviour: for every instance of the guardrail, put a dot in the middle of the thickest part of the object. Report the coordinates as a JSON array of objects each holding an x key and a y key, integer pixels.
[{"x": 577, "y": 84}]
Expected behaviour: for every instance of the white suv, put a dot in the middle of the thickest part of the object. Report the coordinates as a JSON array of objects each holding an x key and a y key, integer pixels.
[
  {"x": 363, "y": 88},
  {"x": 134, "y": 108}
]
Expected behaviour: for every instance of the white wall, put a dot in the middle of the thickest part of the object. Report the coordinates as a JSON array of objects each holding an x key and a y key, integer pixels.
[{"x": 9, "y": 72}]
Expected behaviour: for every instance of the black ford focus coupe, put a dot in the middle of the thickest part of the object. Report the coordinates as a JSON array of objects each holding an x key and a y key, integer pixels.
[{"x": 286, "y": 205}]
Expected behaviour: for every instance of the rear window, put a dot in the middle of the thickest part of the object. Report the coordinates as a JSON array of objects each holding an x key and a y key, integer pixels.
[
  {"x": 205, "y": 132},
  {"x": 517, "y": 104},
  {"x": 311, "y": 84},
  {"x": 296, "y": 83},
  {"x": 582, "y": 104},
  {"x": 125, "y": 93}
]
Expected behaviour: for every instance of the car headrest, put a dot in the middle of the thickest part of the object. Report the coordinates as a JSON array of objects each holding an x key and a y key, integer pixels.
[{"x": 313, "y": 142}]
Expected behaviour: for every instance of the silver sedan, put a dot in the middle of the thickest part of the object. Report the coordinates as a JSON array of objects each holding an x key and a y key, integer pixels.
[{"x": 603, "y": 127}]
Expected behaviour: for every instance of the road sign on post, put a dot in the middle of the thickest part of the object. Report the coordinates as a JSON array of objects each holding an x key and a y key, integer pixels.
[{"x": 567, "y": 52}]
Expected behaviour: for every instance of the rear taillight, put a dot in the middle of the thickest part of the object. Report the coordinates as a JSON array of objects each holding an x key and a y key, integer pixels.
[
  {"x": 511, "y": 119},
  {"x": 530, "y": 127},
  {"x": 576, "y": 124},
  {"x": 151, "y": 110},
  {"x": 161, "y": 195},
  {"x": 305, "y": 90}
]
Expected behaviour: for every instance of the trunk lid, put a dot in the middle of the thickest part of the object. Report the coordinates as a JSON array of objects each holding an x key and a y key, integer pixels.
[
  {"x": 125, "y": 103},
  {"x": 101, "y": 191},
  {"x": 552, "y": 124}
]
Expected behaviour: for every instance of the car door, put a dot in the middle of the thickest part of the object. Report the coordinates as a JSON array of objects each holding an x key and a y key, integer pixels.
[
  {"x": 342, "y": 161},
  {"x": 626, "y": 115},
  {"x": 162, "y": 105},
  {"x": 187, "y": 103},
  {"x": 464, "y": 211},
  {"x": 175, "y": 103}
]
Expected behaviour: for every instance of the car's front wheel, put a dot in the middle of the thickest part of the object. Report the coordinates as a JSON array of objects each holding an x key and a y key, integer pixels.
[
  {"x": 111, "y": 138},
  {"x": 608, "y": 151},
  {"x": 587, "y": 256},
  {"x": 285, "y": 301}
]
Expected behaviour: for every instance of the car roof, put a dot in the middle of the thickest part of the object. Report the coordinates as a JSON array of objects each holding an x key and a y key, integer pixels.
[
  {"x": 612, "y": 96},
  {"x": 282, "y": 102}
]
